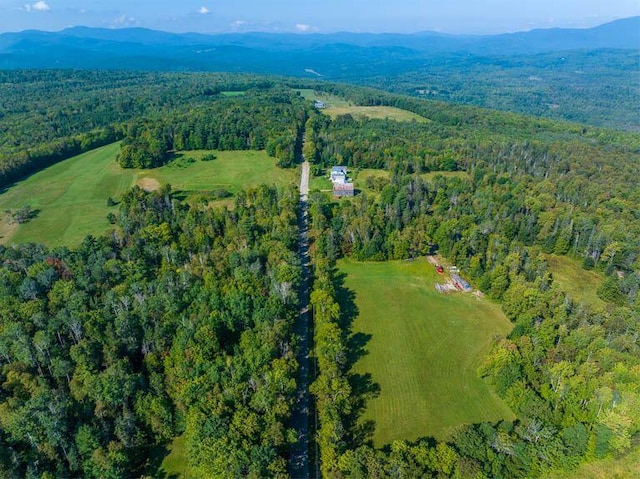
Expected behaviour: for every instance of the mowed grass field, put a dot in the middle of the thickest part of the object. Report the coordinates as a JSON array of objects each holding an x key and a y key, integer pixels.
[
  {"x": 71, "y": 196},
  {"x": 424, "y": 350},
  {"x": 339, "y": 106},
  {"x": 231, "y": 170},
  {"x": 580, "y": 284}
]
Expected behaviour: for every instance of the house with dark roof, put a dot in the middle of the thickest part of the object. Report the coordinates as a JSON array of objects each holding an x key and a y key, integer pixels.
[{"x": 343, "y": 189}]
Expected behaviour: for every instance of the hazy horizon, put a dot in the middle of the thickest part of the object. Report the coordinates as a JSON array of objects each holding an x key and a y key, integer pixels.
[{"x": 221, "y": 16}]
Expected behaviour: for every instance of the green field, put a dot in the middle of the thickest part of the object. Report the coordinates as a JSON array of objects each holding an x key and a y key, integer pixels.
[
  {"x": 231, "y": 170},
  {"x": 581, "y": 285},
  {"x": 424, "y": 350},
  {"x": 71, "y": 196},
  {"x": 339, "y": 106},
  {"x": 624, "y": 467},
  {"x": 175, "y": 465}
]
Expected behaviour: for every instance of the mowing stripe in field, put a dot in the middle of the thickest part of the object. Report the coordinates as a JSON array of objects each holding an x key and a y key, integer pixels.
[
  {"x": 424, "y": 350},
  {"x": 71, "y": 196}
]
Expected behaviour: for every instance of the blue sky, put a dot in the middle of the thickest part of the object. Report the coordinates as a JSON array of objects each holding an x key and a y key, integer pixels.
[{"x": 451, "y": 16}]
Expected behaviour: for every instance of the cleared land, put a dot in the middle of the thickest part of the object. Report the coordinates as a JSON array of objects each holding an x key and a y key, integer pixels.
[
  {"x": 580, "y": 284},
  {"x": 70, "y": 197},
  {"x": 175, "y": 463},
  {"x": 360, "y": 176},
  {"x": 625, "y": 467},
  {"x": 231, "y": 170},
  {"x": 423, "y": 349},
  {"x": 338, "y": 106}
]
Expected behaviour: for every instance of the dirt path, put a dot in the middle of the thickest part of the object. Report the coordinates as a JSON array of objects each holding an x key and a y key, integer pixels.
[{"x": 299, "y": 467}]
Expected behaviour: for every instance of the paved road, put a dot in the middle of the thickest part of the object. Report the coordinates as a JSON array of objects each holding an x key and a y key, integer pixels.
[{"x": 299, "y": 467}]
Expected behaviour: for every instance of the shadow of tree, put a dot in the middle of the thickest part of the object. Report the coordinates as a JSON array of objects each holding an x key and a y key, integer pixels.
[
  {"x": 152, "y": 465},
  {"x": 363, "y": 387}
]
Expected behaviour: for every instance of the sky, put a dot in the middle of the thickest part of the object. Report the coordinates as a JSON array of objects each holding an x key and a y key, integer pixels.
[{"x": 305, "y": 16}]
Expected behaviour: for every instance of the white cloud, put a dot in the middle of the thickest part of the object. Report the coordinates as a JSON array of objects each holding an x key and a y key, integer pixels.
[
  {"x": 238, "y": 24},
  {"x": 204, "y": 10},
  {"x": 40, "y": 6},
  {"x": 124, "y": 20},
  {"x": 304, "y": 28}
]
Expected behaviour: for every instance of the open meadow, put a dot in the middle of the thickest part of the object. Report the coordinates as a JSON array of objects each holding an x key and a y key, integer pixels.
[
  {"x": 421, "y": 348},
  {"x": 336, "y": 106},
  {"x": 580, "y": 284},
  {"x": 623, "y": 467},
  {"x": 69, "y": 199}
]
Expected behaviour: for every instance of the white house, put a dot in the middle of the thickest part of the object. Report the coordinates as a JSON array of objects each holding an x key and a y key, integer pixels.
[{"x": 339, "y": 175}]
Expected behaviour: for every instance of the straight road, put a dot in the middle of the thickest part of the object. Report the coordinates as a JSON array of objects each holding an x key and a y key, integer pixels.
[{"x": 299, "y": 458}]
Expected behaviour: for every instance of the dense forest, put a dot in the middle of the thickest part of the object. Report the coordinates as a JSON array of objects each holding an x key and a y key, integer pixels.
[
  {"x": 256, "y": 120},
  {"x": 179, "y": 321},
  {"x": 47, "y": 116},
  {"x": 594, "y": 87}
]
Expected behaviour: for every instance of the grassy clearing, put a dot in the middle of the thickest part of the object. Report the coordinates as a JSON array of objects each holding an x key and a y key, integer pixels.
[
  {"x": 339, "y": 106},
  {"x": 359, "y": 178},
  {"x": 175, "y": 465},
  {"x": 423, "y": 350},
  {"x": 447, "y": 174},
  {"x": 70, "y": 197},
  {"x": 231, "y": 170},
  {"x": 233, "y": 93},
  {"x": 375, "y": 112},
  {"x": 580, "y": 284},
  {"x": 625, "y": 467}
]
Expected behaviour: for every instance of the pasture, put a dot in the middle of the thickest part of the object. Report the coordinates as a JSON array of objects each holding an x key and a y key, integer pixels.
[
  {"x": 421, "y": 348},
  {"x": 70, "y": 198},
  {"x": 339, "y": 106},
  {"x": 231, "y": 171}
]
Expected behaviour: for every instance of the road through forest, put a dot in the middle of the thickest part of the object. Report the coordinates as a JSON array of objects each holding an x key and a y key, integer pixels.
[{"x": 299, "y": 467}]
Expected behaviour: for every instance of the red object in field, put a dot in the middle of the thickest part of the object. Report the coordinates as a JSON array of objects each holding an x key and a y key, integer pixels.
[{"x": 439, "y": 269}]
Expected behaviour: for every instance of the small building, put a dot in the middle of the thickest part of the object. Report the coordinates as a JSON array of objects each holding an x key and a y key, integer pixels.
[
  {"x": 343, "y": 189},
  {"x": 460, "y": 283},
  {"x": 319, "y": 104},
  {"x": 338, "y": 175}
]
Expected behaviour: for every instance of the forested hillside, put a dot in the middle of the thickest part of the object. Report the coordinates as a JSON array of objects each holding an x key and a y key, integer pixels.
[
  {"x": 178, "y": 322},
  {"x": 47, "y": 116},
  {"x": 584, "y": 75}
]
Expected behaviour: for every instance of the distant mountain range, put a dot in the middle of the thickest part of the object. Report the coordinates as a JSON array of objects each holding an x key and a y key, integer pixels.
[{"x": 330, "y": 55}]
